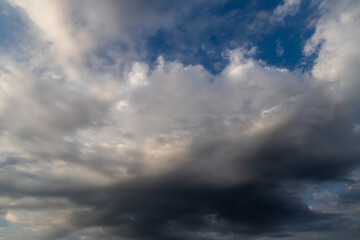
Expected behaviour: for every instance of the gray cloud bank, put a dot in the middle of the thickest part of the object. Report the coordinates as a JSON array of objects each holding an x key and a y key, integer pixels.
[{"x": 125, "y": 151}]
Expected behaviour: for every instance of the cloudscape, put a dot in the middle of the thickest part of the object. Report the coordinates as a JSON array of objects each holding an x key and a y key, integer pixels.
[{"x": 179, "y": 120}]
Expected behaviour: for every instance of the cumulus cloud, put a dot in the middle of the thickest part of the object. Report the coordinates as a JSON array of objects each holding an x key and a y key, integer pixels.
[{"x": 134, "y": 150}]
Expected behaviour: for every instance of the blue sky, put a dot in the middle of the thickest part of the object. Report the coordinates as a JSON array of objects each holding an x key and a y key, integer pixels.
[
  {"x": 228, "y": 28},
  {"x": 179, "y": 120}
]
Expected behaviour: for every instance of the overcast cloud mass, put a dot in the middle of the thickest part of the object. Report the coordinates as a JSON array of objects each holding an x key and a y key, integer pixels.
[{"x": 179, "y": 120}]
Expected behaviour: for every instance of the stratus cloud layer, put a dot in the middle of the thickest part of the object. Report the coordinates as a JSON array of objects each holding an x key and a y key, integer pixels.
[{"x": 92, "y": 150}]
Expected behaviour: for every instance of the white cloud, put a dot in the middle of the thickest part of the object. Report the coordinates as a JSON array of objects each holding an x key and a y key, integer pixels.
[
  {"x": 338, "y": 34},
  {"x": 67, "y": 42},
  {"x": 288, "y": 8}
]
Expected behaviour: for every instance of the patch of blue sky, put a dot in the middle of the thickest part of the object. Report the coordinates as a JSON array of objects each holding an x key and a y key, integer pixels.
[
  {"x": 284, "y": 46},
  {"x": 256, "y": 5},
  {"x": 12, "y": 27},
  {"x": 203, "y": 36},
  {"x": 4, "y": 223},
  {"x": 290, "y": 36},
  {"x": 334, "y": 188}
]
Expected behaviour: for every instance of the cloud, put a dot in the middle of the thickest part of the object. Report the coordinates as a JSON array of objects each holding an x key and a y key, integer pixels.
[
  {"x": 279, "y": 48},
  {"x": 288, "y": 8},
  {"x": 135, "y": 150},
  {"x": 75, "y": 31}
]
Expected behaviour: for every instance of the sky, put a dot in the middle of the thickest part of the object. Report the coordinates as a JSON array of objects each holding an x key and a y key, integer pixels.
[{"x": 179, "y": 120}]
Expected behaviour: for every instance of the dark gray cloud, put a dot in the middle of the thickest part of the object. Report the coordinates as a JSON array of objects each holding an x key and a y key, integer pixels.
[{"x": 189, "y": 199}]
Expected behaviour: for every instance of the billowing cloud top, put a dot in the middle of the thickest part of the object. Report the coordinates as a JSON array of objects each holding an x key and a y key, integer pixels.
[{"x": 179, "y": 120}]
